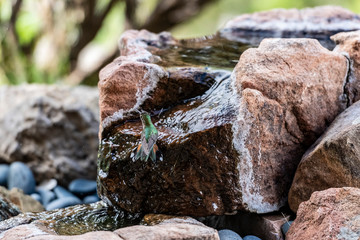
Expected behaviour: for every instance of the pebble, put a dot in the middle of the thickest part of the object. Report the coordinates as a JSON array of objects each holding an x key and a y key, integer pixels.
[
  {"x": 62, "y": 203},
  {"x": 285, "y": 227},
  {"x": 46, "y": 196},
  {"x": 4, "y": 172},
  {"x": 251, "y": 237},
  {"x": 227, "y": 234},
  {"x": 48, "y": 184},
  {"x": 61, "y": 192},
  {"x": 91, "y": 199},
  {"x": 20, "y": 176},
  {"x": 36, "y": 196},
  {"x": 82, "y": 186}
]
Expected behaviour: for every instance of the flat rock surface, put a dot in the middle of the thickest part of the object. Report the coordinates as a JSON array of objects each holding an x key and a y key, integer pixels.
[
  {"x": 318, "y": 22},
  {"x": 333, "y": 161},
  {"x": 53, "y": 129},
  {"x": 329, "y": 214}
]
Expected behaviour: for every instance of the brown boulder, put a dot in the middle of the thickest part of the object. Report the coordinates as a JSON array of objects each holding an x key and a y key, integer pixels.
[
  {"x": 330, "y": 214},
  {"x": 318, "y": 23},
  {"x": 333, "y": 161},
  {"x": 349, "y": 43},
  {"x": 24, "y": 202},
  {"x": 291, "y": 89}
]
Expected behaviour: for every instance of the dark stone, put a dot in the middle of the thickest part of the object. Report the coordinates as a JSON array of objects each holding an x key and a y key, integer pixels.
[
  {"x": 63, "y": 202},
  {"x": 82, "y": 186},
  {"x": 4, "y": 172},
  {"x": 91, "y": 199},
  {"x": 226, "y": 234},
  {"x": 7, "y": 210},
  {"x": 46, "y": 196},
  {"x": 20, "y": 176},
  {"x": 285, "y": 227}
]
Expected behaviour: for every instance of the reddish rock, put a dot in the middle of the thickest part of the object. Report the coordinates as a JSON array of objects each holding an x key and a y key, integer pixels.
[
  {"x": 349, "y": 43},
  {"x": 333, "y": 161},
  {"x": 330, "y": 214},
  {"x": 291, "y": 89},
  {"x": 319, "y": 23}
]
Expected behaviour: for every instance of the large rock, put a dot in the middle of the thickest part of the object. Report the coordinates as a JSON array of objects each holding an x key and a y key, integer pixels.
[
  {"x": 333, "y": 161},
  {"x": 233, "y": 147},
  {"x": 330, "y": 214},
  {"x": 291, "y": 89},
  {"x": 319, "y": 23},
  {"x": 52, "y": 129},
  {"x": 349, "y": 43}
]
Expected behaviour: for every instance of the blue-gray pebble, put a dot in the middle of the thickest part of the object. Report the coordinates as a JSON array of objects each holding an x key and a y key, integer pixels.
[
  {"x": 91, "y": 199},
  {"x": 227, "y": 234},
  {"x": 251, "y": 237},
  {"x": 61, "y": 192},
  {"x": 20, "y": 176},
  {"x": 4, "y": 173},
  {"x": 285, "y": 227},
  {"x": 36, "y": 196},
  {"x": 62, "y": 203},
  {"x": 82, "y": 186},
  {"x": 46, "y": 196}
]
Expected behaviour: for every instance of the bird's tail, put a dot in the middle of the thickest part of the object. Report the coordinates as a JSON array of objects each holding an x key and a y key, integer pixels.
[{"x": 140, "y": 153}]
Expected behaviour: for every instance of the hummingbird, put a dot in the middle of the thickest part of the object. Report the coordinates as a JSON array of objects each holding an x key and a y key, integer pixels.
[{"x": 147, "y": 148}]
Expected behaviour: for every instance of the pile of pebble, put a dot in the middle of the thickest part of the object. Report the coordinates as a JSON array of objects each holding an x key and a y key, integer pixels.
[{"x": 49, "y": 193}]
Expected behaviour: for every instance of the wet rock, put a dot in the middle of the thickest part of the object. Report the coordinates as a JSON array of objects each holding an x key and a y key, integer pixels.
[
  {"x": 7, "y": 209},
  {"x": 20, "y": 176},
  {"x": 62, "y": 203},
  {"x": 227, "y": 234},
  {"x": 333, "y": 161},
  {"x": 53, "y": 129},
  {"x": 25, "y": 203},
  {"x": 319, "y": 23},
  {"x": 349, "y": 43},
  {"x": 234, "y": 147},
  {"x": 82, "y": 186},
  {"x": 329, "y": 214},
  {"x": 4, "y": 172}
]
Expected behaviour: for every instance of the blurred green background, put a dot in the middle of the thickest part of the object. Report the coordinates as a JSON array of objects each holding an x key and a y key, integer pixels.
[{"x": 68, "y": 41}]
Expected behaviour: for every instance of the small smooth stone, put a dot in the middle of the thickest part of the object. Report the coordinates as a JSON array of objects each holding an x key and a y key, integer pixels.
[
  {"x": 251, "y": 237},
  {"x": 285, "y": 227},
  {"x": 46, "y": 196},
  {"x": 61, "y": 192},
  {"x": 36, "y": 196},
  {"x": 48, "y": 184},
  {"x": 20, "y": 176},
  {"x": 63, "y": 202},
  {"x": 4, "y": 173},
  {"x": 82, "y": 186},
  {"x": 227, "y": 234},
  {"x": 91, "y": 199}
]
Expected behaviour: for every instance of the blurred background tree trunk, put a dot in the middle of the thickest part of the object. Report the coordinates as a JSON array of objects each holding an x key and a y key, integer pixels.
[{"x": 49, "y": 40}]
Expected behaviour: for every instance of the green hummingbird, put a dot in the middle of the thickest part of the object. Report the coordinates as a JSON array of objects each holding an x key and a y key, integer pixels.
[{"x": 147, "y": 148}]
